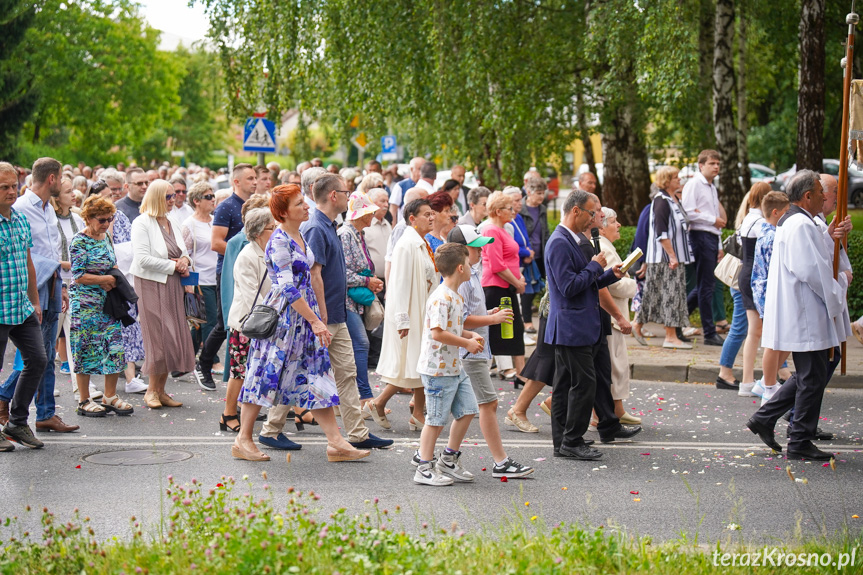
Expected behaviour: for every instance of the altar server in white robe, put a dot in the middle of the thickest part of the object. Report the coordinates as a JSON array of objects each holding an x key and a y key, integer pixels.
[{"x": 803, "y": 314}]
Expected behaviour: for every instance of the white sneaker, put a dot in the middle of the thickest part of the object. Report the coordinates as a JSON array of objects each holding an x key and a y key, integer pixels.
[
  {"x": 746, "y": 390},
  {"x": 427, "y": 474},
  {"x": 769, "y": 392},
  {"x": 137, "y": 385},
  {"x": 56, "y": 391},
  {"x": 529, "y": 340},
  {"x": 758, "y": 388},
  {"x": 94, "y": 393},
  {"x": 447, "y": 464}
]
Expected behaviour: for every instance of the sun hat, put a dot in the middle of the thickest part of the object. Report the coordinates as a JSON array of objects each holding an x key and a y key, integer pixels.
[
  {"x": 467, "y": 235},
  {"x": 359, "y": 205}
]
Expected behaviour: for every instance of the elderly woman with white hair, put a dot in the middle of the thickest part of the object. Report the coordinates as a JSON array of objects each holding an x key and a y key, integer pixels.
[
  {"x": 250, "y": 273},
  {"x": 622, "y": 292}
]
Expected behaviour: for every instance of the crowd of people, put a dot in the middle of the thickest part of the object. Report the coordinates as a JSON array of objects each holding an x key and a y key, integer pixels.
[{"x": 316, "y": 277}]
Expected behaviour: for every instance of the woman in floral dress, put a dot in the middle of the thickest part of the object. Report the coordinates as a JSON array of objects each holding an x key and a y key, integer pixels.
[
  {"x": 96, "y": 337},
  {"x": 292, "y": 366}
]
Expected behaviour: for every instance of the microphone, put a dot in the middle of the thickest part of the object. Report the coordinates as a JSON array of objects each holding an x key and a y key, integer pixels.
[{"x": 594, "y": 239}]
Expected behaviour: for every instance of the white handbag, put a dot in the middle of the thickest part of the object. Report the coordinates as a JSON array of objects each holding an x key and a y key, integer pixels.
[{"x": 728, "y": 271}]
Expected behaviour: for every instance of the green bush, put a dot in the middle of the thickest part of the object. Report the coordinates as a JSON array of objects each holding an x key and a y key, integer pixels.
[{"x": 855, "y": 254}]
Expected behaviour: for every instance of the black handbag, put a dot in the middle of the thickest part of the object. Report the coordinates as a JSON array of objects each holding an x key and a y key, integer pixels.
[
  {"x": 261, "y": 322},
  {"x": 732, "y": 246}
]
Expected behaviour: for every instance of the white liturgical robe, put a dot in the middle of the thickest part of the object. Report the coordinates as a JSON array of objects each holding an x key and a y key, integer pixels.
[{"x": 803, "y": 302}]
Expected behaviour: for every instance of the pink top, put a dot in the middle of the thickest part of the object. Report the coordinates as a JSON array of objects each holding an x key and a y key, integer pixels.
[{"x": 501, "y": 254}]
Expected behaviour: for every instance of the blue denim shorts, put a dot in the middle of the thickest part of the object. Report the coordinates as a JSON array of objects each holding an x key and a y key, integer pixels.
[{"x": 448, "y": 394}]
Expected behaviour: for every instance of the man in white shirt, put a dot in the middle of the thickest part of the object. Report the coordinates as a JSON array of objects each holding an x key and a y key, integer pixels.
[
  {"x": 428, "y": 174},
  {"x": 181, "y": 210},
  {"x": 804, "y": 314},
  {"x": 397, "y": 197},
  {"x": 706, "y": 220}
]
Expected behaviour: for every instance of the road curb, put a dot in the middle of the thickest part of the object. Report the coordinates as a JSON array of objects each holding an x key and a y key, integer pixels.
[{"x": 706, "y": 374}]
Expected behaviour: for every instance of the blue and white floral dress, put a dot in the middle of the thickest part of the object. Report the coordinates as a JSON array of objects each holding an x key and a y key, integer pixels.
[{"x": 292, "y": 367}]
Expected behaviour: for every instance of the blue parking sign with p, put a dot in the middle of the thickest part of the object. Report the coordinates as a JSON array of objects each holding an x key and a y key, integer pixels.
[{"x": 388, "y": 145}]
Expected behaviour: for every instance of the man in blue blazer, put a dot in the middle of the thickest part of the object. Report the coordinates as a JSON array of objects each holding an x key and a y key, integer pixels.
[{"x": 574, "y": 324}]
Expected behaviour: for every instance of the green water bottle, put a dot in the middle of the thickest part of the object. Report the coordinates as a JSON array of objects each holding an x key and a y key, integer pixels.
[{"x": 506, "y": 327}]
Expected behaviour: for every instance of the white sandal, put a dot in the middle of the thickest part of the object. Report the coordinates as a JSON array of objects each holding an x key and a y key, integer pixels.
[{"x": 117, "y": 405}]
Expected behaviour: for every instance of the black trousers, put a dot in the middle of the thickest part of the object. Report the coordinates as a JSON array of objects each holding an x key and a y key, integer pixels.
[
  {"x": 603, "y": 403},
  {"x": 804, "y": 391},
  {"x": 217, "y": 336},
  {"x": 705, "y": 248},
  {"x": 27, "y": 337},
  {"x": 573, "y": 393}
]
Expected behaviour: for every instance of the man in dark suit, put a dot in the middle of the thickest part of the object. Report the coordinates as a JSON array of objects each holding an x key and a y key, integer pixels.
[{"x": 574, "y": 326}]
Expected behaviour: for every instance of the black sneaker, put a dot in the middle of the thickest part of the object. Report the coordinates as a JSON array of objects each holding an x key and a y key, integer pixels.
[
  {"x": 204, "y": 378},
  {"x": 511, "y": 469},
  {"x": 22, "y": 434}
]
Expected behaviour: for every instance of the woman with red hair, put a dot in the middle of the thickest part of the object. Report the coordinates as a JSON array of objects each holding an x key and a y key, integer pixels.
[
  {"x": 441, "y": 202},
  {"x": 293, "y": 365}
]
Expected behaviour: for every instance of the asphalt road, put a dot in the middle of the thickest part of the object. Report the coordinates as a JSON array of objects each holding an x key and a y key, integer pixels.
[{"x": 694, "y": 470}]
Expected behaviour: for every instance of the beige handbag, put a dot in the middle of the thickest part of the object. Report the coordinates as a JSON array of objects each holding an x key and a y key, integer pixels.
[
  {"x": 373, "y": 315},
  {"x": 728, "y": 270}
]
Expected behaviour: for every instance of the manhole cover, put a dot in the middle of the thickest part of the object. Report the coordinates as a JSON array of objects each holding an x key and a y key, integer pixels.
[{"x": 137, "y": 457}]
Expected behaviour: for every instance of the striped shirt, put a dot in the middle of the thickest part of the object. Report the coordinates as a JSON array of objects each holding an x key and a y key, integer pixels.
[
  {"x": 15, "y": 240},
  {"x": 474, "y": 304},
  {"x": 667, "y": 222}
]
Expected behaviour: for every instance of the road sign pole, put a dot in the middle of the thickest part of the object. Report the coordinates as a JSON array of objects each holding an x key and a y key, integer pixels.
[{"x": 262, "y": 159}]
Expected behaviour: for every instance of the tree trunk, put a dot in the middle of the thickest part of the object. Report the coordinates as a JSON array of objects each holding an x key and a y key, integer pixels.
[
  {"x": 810, "y": 94},
  {"x": 625, "y": 169},
  {"x": 730, "y": 189},
  {"x": 584, "y": 134},
  {"x": 706, "y": 139},
  {"x": 742, "y": 122}
]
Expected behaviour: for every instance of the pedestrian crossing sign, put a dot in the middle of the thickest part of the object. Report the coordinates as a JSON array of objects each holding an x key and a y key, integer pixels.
[{"x": 259, "y": 135}]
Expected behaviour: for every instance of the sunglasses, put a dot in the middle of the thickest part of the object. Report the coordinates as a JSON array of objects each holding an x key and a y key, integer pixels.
[
  {"x": 454, "y": 219},
  {"x": 104, "y": 221},
  {"x": 179, "y": 191},
  {"x": 169, "y": 197},
  {"x": 208, "y": 197}
]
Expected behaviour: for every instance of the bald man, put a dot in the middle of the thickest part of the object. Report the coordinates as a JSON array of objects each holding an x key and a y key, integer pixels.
[{"x": 397, "y": 197}]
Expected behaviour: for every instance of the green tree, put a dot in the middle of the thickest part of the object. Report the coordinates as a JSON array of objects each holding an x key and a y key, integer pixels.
[
  {"x": 18, "y": 99},
  {"x": 106, "y": 87}
]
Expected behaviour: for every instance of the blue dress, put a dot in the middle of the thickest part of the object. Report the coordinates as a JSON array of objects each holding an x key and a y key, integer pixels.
[
  {"x": 761, "y": 266},
  {"x": 133, "y": 337},
  {"x": 292, "y": 367}
]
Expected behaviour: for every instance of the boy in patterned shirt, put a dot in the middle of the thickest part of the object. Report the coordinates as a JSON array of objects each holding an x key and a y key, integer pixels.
[{"x": 447, "y": 387}]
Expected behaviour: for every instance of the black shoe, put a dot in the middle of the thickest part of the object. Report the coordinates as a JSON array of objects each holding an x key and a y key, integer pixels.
[
  {"x": 373, "y": 442},
  {"x": 204, "y": 378},
  {"x": 714, "y": 339},
  {"x": 809, "y": 452},
  {"x": 723, "y": 384},
  {"x": 625, "y": 432},
  {"x": 680, "y": 336},
  {"x": 764, "y": 433},
  {"x": 820, "y": 434},
  {"x": 582, "y": 452},
  {"x": 22, "y": 434}
]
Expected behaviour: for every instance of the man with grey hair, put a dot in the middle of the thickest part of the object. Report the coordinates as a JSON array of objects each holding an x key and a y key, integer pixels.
[
  {"x": 574, "y": 325},
  {"x": 804, "y": 314},
  {"x": 397, "y": 197},
  {"x": 115, "y": 181},
  {"x": 476, "y": 201},
  {"x": 303, "y": 166},
  {"x": 307, "y": 178},
  {"x": 290, "y": 177}
]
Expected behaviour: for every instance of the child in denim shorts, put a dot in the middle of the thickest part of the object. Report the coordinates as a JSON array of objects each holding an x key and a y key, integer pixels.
[{"x": 447, "y": 387}]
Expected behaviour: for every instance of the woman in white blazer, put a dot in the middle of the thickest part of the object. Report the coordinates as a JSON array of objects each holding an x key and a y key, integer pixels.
[
  {"x": 622, "y": 292},
  {"x": 159, "y": 259}
]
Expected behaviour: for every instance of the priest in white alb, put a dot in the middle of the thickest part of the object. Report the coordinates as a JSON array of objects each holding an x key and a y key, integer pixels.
[{"x": 803, "y": 314}]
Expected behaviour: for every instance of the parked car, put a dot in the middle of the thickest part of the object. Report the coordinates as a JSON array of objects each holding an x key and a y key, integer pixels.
[
  {"x": 757, "y": 172},
  {"x": 855, "y": 180},
  {"x": 443, "y": 175}
]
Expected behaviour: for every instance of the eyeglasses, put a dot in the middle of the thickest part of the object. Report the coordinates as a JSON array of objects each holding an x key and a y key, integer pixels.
[
  {"x": 179, "y": 191},
  {"x": 115, "y": 190},
  {"x": 269, "y": 228},
  {"x": 104, "y": 221},
  {"x": 208, "y": 197},
  {"x": 346, "y": 192},
  {"x": 169, "y": 197}
]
